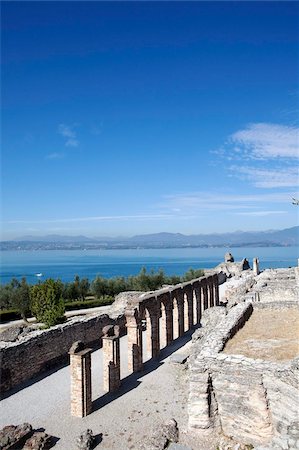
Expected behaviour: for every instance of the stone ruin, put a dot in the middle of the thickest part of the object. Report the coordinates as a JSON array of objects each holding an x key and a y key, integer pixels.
[
  {"x": 252, "y": 400},
  {"x": 249, "y": 400},
  {"x": 168, "y": 314},
  {"x": 23, "y": 437}
]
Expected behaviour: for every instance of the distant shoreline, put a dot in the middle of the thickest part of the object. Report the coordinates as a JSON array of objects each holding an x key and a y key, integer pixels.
[{"x": 63, "y": 247}]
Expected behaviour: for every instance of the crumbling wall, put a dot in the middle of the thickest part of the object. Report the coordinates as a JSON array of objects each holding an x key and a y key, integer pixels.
[{"x": 43, "y": 349}]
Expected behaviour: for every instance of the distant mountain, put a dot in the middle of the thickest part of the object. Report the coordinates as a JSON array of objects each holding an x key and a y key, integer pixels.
[
  {"x": 55, "y": 238},
  {"x": 289, "y": 236},
  {"x": 286, "y": 237}
]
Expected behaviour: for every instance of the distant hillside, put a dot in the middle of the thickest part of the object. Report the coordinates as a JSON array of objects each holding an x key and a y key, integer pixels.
[
  {"x": 289, "y": 236},
  {"x": 286, "y": 237}
]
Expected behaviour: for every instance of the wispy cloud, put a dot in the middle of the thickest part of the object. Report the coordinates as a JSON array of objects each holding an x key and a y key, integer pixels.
[
  {"x": 259, "y": 213},
  {"x": 206, "y": 201},
  {"x": 265, "y": 141},
  {"x": 266, "y": 178},
  {"x": 264, "y": 154},
  {"x": 96, "y": 219},
  {"x": 55, "y": 155},
  {"x": 69, "y": 134}
]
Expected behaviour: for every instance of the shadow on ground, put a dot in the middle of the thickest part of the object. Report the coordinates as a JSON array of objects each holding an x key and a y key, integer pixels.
[{"x": 132, "y": 381}]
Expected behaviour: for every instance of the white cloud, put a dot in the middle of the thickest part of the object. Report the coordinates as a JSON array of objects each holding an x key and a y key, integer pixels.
[
  {"x": 268, "y": 178},
  {"x": 69, "y": 134},
  {"x": 266, "y": 141}
]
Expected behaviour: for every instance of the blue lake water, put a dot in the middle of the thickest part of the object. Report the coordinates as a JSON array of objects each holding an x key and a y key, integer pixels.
[{"x": 109, "y": 263}]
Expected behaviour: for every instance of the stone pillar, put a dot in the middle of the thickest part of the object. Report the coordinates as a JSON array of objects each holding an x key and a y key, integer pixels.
[
  {"x": 180, "y": 301},
  {"x": 216, "y": 289},
  {"x": 155, "y": 334},
  {"x": 190, "y": 313},
  {"x": 80, "y": 368},
  {"x": 134, "y": 333},
  {"x": 111, "y": 362},
  {"x": 211, "y": 291},
  {"x": 256, "y": 268},
  {"x": 197, "y": 293},
  {"x": 169, "y": 323},
  {"x": 205, "y": 293}
]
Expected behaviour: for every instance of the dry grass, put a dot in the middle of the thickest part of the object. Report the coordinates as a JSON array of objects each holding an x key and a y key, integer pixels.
[{"x": 269, "y": 334}]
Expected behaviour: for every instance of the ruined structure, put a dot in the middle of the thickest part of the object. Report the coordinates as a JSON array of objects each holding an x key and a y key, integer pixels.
[
  {"x": 247, "y": 395},
  {"x": 168, "y": 314},
  {"x": 252, "y": 399}
]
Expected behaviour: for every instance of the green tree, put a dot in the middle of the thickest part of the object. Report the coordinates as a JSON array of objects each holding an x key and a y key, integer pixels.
[
  {"x": 193, "y": 273},
  {"x": 46, "y": 302},
  {"x": 84, "y": 287},
  {"x": 21, "y": 298},
  {"x": 6, "y": 296}
]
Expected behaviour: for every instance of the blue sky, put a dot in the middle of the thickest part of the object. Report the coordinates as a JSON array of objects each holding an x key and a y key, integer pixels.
[{"x": 121, "y": 118}]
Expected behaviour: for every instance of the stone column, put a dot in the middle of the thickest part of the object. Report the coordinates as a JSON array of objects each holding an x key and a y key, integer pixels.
[
  {"x": 256, "y": 269},
  {"x": 80, "y": 368},
  {"x": 180, "y": 300},
  {"x": 189, "y": 294},
  {"x": 134, "y": 333},
  {"x": 155, "y": 332},
  {"x": 111, "y": 362},
  {"x": 211, "y": 291},
  {"x": 169, "y": 323},
  {"x": 197, "y": 293},
  {"x": 205, "y": 293},
  {"x": 216, "y": 289}
]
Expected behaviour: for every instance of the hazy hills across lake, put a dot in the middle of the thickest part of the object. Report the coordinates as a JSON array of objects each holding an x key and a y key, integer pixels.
[{"x": 286, "y": 237}]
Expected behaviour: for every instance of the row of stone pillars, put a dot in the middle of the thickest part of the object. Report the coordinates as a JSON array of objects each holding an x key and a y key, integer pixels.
[
  {"x": 180, "y": 309},
  {"x": 167, "y": 304}
]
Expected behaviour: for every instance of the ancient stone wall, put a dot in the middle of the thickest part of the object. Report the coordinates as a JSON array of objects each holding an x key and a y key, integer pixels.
[
  {"x": 41, "y": 350},
  {"x": 253, "y": 401}
]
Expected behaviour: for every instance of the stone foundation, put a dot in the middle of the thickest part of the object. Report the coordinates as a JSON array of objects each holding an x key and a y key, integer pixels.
[{"x": 253, "y": 401}]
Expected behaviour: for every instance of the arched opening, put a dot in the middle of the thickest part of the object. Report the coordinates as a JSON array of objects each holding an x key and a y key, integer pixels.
[
  {"x": 186, "y": 313},
  {"x": 175, "y": 319},
  {"x": 146, "y": 335}
]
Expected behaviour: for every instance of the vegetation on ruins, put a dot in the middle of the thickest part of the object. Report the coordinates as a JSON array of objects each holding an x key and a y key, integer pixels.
[{"x": 47, "y": 299}]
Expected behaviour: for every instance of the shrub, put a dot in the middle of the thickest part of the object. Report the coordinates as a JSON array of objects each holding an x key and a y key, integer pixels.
[{"x": 46, "y": 302}]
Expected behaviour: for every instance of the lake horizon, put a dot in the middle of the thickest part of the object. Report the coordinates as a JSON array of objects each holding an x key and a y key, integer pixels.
[{"x": 65, "y": 264}]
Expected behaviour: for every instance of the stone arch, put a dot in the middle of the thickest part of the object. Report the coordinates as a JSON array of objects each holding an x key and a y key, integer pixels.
[{"x": 166, "y": 318}]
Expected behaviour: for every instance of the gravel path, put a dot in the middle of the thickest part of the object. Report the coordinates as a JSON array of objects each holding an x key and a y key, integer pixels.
[{"x": 142, "y": 404}]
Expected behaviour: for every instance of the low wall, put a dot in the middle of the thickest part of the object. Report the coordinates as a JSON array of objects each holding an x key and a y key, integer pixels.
[{"x": 40, "y": 350}]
